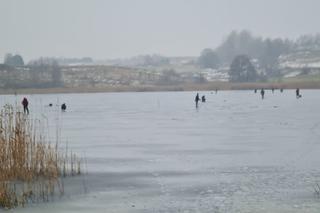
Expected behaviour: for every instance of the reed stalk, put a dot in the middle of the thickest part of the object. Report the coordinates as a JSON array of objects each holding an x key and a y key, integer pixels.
[{"x": 30, "y": 167}]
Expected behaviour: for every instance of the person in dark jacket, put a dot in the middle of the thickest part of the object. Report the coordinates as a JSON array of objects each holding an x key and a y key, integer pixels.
[
  {"x": 262, "y": 93},
  {"x": 63, "y": 107},
  {"x": 25, "y": 104},
  {"x": 298, "y": 93},
  {"x": 197, "y": 99},
  {"x": 203, "y": 99}
]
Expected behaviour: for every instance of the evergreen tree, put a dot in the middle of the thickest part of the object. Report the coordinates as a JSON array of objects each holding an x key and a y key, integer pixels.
[
  {"x": 242, "y": 70},
  {"x": 209, "y": 59},
  {"x": 13, "y": 60}
]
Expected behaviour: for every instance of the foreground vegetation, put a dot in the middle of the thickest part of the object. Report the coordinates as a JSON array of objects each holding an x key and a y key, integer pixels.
[{"x": 31, "y": 169}]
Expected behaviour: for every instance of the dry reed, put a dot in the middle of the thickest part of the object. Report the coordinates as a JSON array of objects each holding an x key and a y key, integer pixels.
[{"x": 30, "y": 167}]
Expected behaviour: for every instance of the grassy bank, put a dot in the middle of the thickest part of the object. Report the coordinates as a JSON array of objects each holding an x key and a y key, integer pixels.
[
  {"x": 30, "y": 168},
  {"x": 286, "y": 84}
]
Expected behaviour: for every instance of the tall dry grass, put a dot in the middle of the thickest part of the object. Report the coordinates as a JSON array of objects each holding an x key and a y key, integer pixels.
[{"x": 30, "y": 167}]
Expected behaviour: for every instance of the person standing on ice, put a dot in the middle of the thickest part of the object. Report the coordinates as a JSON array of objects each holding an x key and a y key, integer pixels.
[
  {"x": 262, "y": 93},
  {"x": 197, "y": 99},
  {"x": 298, "y": 93},
  {"x": 25, "y": 104}
]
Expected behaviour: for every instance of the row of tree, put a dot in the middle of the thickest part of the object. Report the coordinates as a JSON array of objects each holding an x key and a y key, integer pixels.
[
  {"x": 265, "y": 51},
  {"x": 42, "y": 72},
  {"x": 46, "y": 66}
]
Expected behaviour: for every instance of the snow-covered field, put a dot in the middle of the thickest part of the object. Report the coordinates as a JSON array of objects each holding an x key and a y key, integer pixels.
[{"x": 155, "y": 152}]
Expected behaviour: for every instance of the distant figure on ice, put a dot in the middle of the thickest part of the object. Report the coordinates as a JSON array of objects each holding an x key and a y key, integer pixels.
[
  {"x": 262, "y": 93},
  {"x": 272, "y": 89},
  {"x": 216, "y": 91},
  {"x": 25, "y": 104},
  {"x": 63, "y": 107},
  {"x": 281, "y": 90},
  {"x": 298, "y": 93},
  {"x": 197, "y": 99},
  {"x": 255, "y": 90},
  {"x": 203, "y": 99}
]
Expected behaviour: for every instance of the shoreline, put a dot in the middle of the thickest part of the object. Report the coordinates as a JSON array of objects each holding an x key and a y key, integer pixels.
[{"x": 170, "y": 88}]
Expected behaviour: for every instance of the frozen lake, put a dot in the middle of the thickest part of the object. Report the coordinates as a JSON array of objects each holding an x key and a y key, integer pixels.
[{"x": 155, "y": 152}]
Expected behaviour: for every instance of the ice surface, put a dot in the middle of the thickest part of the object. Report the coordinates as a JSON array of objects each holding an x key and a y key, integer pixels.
[{"x": 155, "y": 152}]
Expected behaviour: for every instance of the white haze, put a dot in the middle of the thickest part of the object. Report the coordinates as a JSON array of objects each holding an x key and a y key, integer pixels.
[{"x": 124, "y": 28}]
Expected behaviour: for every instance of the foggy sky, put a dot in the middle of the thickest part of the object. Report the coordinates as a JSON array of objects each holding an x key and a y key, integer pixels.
[{"x": 123, "y": 28}]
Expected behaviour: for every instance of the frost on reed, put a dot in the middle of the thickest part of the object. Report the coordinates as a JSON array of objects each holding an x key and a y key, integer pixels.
[{"x": 31, "y": 169}]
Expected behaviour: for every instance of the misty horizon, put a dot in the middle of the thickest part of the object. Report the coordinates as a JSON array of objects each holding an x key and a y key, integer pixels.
[{"x": 122, "y": 29}]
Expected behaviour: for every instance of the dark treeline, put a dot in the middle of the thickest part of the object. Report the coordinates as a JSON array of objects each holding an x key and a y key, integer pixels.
[
  {"x": 39, "y": 73},
  {"x": 265, "y": 51},
  {"x": 47, "y": 69},
  {"x": 65, "y": 61}
]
